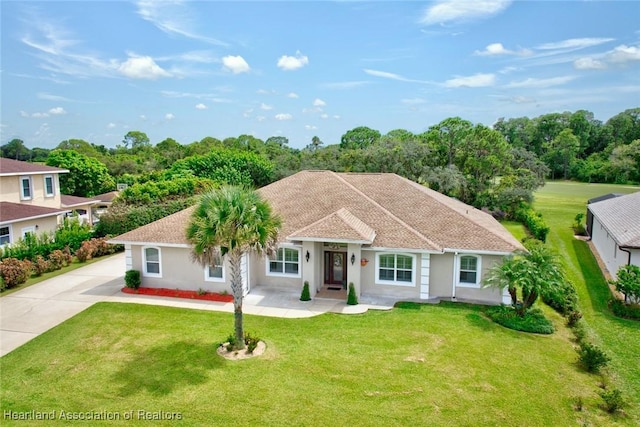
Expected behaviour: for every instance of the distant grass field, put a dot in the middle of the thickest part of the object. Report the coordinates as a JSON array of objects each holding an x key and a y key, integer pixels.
[
  {"x": 559, "y": 202},
  {"x": 427, "y": 365}
]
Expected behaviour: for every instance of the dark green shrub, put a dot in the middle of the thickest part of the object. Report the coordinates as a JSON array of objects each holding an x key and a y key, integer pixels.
[
  {"x": 533, "y": 320},
  {"x": 132, "y": 279},
  {"x": 305, "y": 296},
  {"x": 251, "y": 342},
  {"x": 573, "y": 318},
  {"x": 230, "y": 342},
  {"x": 562, "y": 298},
  {"x": 613, "y": 401},
  {"x": 532, "y": 220},
  {"x": 352, "y": 298},
  {"x": 627, "y": 311},
  {"x": 592, "y": 357}
]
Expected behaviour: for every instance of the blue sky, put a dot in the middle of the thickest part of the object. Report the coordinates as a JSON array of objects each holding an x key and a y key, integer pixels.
[{"x": 96, "y": 70}]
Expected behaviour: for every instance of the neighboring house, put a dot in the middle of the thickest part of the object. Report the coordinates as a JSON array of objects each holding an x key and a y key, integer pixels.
[
  {"x": 387, "y": 235},
  {"x": 104, "y": 202},
  {"x": 615, "y": 230},
  {"x": 30, "y": 199},
  {"x": 81, "y": 207}
]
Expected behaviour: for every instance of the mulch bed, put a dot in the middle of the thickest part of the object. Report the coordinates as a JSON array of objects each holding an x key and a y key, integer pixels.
[{"x": 177, "y": 293}]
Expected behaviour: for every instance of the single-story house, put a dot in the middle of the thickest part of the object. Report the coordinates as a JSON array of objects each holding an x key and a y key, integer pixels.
[
  {"x": 615, "y": 230},
  {"x": 387, "y": 235},
  {"x": 105, "y": 200},
  {"x": 81, "y": 207},
  {"x": 17, "y": 219}
]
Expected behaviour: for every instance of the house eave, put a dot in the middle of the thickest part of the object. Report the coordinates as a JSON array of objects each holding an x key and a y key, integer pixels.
[
  {"x": 478, "y": 252},
  {"x": 28, "y": 218},
  {"x": 328, "y": 240},
  {"x": 143, "y": 243}
]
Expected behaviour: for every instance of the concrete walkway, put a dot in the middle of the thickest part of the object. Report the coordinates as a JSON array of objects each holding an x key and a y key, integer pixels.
[{"x": 31, "y": 311}]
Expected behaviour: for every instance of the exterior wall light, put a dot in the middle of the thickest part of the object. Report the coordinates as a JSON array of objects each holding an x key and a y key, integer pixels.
[{"x": 353, "y": 259}]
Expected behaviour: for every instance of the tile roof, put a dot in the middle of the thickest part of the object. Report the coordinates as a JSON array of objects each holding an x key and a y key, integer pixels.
[
  {"x": 10, "y": 167},
  {"x": 71, "y": 201},
  {"x": 391, "y": 211},
  {"x": 621, "y": 217},
  {"x": 13, "y": 212}
]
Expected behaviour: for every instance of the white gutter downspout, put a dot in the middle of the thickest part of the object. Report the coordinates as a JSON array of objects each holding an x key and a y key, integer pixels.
[{"x": 453, "y": 284}]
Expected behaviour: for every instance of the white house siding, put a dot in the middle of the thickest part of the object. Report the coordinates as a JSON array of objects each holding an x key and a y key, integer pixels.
[
  {"x": 177, "y": 270},
  {"x": 441, "y": 275},
  {"x": 611, "y": 255}
]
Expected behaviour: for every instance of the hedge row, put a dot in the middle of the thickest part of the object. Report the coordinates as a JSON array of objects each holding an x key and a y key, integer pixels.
[{"x": 532, "y": 220}]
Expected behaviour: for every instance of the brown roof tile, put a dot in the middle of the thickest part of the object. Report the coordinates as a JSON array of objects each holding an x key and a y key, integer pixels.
[
  {"x": 17, "y": 167},
  {"x": 68, "y": 201},
  {"x": 393, "y": 211},
  {"x": 12, "y": 212}
]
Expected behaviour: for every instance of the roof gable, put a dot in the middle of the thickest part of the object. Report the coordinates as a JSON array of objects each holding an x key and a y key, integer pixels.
[
  {"x": 340, "y": 226},
  {"x": 621, "y": 217}
]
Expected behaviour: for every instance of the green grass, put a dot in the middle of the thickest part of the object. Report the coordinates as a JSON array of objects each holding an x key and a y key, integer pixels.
[
  {"x": 515, "y": 228},
  {"x": 437, "y": 365},
  {"x": 559, "y": 202}
]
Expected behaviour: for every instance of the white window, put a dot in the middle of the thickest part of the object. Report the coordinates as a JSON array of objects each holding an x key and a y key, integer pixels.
[
  {"x": 49, "y": 189},
  {"x": 215, "y": 272},
  {"x": 286, "y": 262},
  {"x": 5, "y": 235},
  {"x": 395, "y": 269},
  {"x": 28, "y": 230},
  {"x": 26, "y": 188},
  {"x": 151, "y": 262},
  {"x": 469, "y": 271}
]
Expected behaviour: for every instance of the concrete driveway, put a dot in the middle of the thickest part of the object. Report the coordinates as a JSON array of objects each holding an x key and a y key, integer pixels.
[{"x": 31, "y": 311}]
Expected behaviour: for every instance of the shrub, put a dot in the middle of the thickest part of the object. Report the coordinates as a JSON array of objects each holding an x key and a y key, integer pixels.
[
  {"x": 59, "y": 259},
  {"x": 533, "y": 320},
  {"x": 592, "y": 357},
  {"x": 132, "y": 279},
  {"x": 85, "y": 252},
  {"x": 532, "y": 220},
  {"x": 352, "y": 298},
  {"x": 251, "y": 342},
  {"x": 41, "y": 266},
  {"x": 15, "y": 272},
  {"x": 578, "y": 226},
  {"x": 305, "y": 296},
  {"x": 562, "y": 298},
  {"x": 627, "y": 311},
  {"x": 613, "y": 400},
  {"x": 628, "y": 283},
  {"x": 573, "y": 318}
]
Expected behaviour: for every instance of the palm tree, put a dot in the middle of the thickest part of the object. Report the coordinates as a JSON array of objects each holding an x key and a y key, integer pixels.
[
  {"x": 232, "y": 221},
  {"x": 536, "y": 272}
]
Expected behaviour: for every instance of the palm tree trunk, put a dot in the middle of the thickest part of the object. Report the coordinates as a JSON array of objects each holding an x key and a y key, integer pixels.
[{"x": 235, "y": 258}]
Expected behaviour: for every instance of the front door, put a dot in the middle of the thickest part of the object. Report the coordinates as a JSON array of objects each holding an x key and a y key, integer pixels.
[{"x": 335, "y": 268}]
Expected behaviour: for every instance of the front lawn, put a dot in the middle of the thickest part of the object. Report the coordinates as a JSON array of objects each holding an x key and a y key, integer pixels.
[
  {"x": 559, "y": 202},
  {"x": 444, "y": 364}
]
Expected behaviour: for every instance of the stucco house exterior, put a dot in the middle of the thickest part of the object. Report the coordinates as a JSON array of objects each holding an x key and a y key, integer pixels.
[
  {"x": 615, "y": 230},
  {"x": 30, "y": 199},
  {"x": 387, "y": 235}
]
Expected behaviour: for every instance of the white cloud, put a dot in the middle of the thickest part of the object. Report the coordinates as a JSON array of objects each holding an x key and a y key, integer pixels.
[
  {"x": 111, "y": 125},
  {"x": 284, "y": 116},
  {"x": 57, "y": 111},
  {"x": 24, "y": 113},
  {"x": 624, "y": 53},
  {"x": 319, "y": 103},
  {"x": 392, "y": 76},
  {"x": 292, "y": 95},
  {"x": 39, "y": 115},
  {"x": 455, "y": 10},
  {"x": 541, "y": 83},
  {"x": 495, "y": 49},
  {"x": 266, "y": 107},
  {"x": 310, "y": 127},
  {"x": 477, "y": 80},
  {"x": 290, "y": 63},
  {"x": 50, "y": 97},
  {"x": 578, "y": 43},
  {"x": 201, "y": 106},
  {"x": 589, "y": 64},
  {"x": 235, "y": 64},
  {"x": 413, "y": 101},
  {"x": 142, "y": 67},
  {"x": 172, "y": 17},
  {"x": 324, "y": 116},
  {"x": 261, "y": 118},
  {"x": 337, "y": 117},
  {"x": 143, "y": 117},
  {"x": 169, "y": 116},
  {"x": 345, "y": 85}
]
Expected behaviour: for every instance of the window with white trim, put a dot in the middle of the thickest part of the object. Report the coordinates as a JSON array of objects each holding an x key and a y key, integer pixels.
[
  {"x": 469, "y": 270},
  {"x": 5, "y": 235},
  {"x": 26, "y": 188},
  {"x": 49, "y": 189},
  {"x": 215, "y": 272},
  {"x": 395, "y": 269},
  {"x": 286, "y": 262},
  {"x": 151, "y": 262}
]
